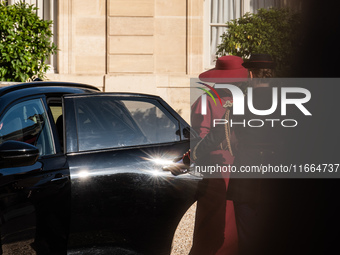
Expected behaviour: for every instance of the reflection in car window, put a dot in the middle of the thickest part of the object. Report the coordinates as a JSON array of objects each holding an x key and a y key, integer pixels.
[
  {"x": 152, "y": 120},
  {"x": 106, "y": 122},
  {"x": 27, "y": 122}
]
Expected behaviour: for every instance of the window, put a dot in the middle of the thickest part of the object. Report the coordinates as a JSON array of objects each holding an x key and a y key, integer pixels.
[
  {"x": 107, "y": 122},
  {"x": 257, "y": 4},
  {"x": 218, "y": 13},
  {"x": 47, "y": 10},
  {"x": 56, "y": 108},
  {"x": 157, "y": 127},
  {"x": 27, "y": 122}
]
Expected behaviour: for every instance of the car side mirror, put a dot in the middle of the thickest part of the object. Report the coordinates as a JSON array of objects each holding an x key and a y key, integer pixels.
[{"x": 17, "y": 154}]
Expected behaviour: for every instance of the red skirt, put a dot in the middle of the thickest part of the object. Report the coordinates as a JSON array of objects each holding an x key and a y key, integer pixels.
[{"x": 215, "y": 230}]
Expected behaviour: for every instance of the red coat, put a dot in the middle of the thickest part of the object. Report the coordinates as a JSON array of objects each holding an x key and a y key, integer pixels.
[{"x": 215, "y": 228}]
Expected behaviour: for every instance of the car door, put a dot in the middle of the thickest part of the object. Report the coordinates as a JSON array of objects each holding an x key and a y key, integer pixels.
[
  {"x": 34, "y": 196},
  {"x": 122, "y": 200}
]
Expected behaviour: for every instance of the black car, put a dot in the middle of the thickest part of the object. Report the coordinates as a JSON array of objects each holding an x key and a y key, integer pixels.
[{"x": 81, "y": 171}]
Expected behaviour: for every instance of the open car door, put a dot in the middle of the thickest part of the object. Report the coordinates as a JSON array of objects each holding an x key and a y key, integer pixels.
[{"x": 116, "y": 146}]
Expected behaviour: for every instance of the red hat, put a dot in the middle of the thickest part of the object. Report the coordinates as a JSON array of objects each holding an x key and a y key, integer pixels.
[
  {"x": 226, "y": 67},
  {"x": 259, "y": 61}
]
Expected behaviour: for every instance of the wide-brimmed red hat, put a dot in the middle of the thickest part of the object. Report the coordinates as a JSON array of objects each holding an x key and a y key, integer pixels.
[
  {"x": 263, "y": 61},
  {"x": 226, "y": 67}
]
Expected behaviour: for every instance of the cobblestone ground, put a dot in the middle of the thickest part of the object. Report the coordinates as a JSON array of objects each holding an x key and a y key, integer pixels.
[
  {"x": 184, "y": 233},
  {"x": 20, "y": 248},
  {"x": 181, "y": 245}
]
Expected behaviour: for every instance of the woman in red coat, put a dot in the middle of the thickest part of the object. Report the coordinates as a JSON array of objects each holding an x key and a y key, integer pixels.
[
  {"x": 215, "y": 228},
  {"x": 255, "y": 199}
]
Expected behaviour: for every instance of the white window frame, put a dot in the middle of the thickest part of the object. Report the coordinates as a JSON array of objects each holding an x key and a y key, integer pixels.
[{"x": 208, "y": 61}]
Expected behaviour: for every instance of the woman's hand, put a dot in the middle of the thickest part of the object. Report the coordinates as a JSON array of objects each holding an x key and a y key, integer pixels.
[{"x": 180, "y": 167}]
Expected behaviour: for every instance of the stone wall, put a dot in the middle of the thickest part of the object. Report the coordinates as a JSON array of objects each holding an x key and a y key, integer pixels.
[{"x": 144, "y": 46}]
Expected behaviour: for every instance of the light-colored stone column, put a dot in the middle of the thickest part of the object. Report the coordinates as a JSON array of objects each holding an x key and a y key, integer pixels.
[
  {"x": 130, "y": 36},
  {"x": 82, "y": 37},
  {"x": 170, "y": 37},
  {"x": 195, "y": 36}
]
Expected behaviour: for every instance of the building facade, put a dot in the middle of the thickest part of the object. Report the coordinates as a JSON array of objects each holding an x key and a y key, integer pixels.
[{"x": 145, "y": 46}]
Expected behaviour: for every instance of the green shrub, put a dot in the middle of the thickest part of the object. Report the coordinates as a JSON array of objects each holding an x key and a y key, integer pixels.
[
  {"x": 24, "y": 43},
  {"x": 271, "y": 31}
]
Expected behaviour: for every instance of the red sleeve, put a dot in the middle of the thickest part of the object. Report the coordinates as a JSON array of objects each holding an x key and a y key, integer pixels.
[{"x": 201, "y": 123}]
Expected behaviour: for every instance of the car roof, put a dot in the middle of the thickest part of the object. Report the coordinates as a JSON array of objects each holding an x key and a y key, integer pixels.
[
  {"x": 12, "y": 93},
  {"x": 41, "y": 87},
  {"x": 58, "y": 87}
]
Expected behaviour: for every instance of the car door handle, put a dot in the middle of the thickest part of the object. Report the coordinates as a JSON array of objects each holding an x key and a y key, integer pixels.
[{"x": 59, "y": 177}]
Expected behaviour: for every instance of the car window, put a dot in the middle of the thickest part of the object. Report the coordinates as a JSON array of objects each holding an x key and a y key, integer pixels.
[
  {"x": 55, "y": 106},
  {"x": 27, "y": 122},
  {"x": 156, "y": 125},
  {"x": 57, "y": 111},
  {"x": 107, "y": 122}
]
